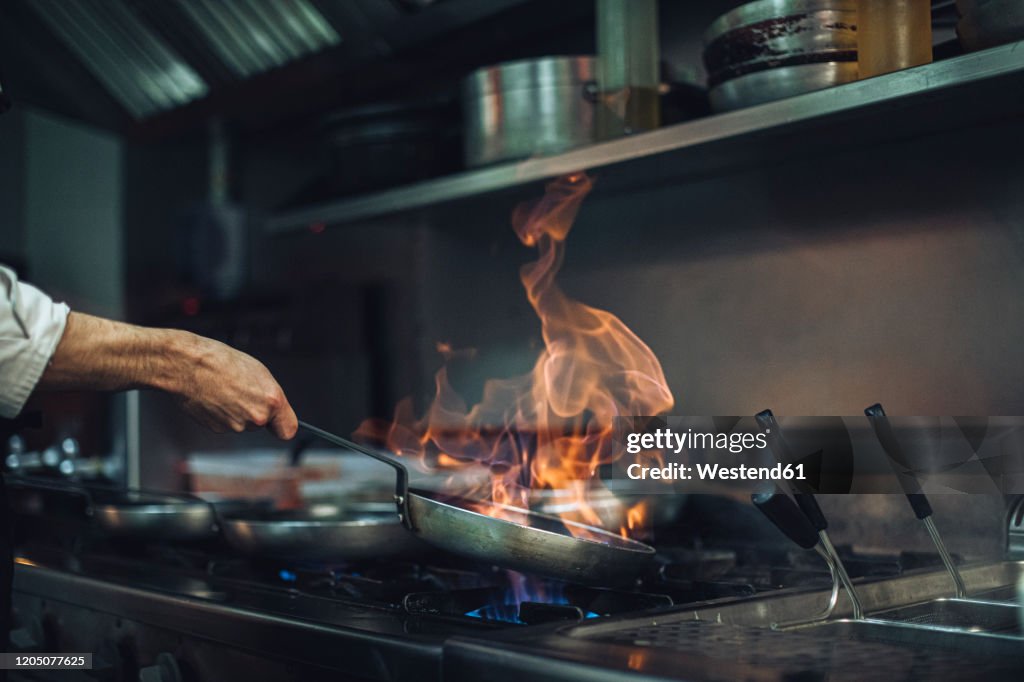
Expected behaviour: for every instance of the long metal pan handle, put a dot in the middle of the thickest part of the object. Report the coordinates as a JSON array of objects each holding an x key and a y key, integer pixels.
[
  {"x": 89, "y": 492},
  {"x": 50, "y": 485},
  {"x": 401, "y": 473}
]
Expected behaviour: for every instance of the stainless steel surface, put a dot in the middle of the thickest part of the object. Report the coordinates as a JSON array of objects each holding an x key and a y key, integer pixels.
[
  {"x": 530, "y": 542},
  {"x": 986, "y": 579},
  {"x": 322, "y": 531},
  {"x": 947, "y": 560},
  {"x": 833, "y": 597},
  {"x": 736, "y": 652},
  {"x": 529, "y": 107},
  {"x": 122, "y": 607},
  {"x": 972, "y": 614},
  {"x": 779, "y": 83},
  {"x": 133, "y": 449},
  {"x": 920, "y": 636},
  {"x": 985, "y": 23},
  {"x": 628, "y": 67},
  {"x": 144, "y": 516},
  {"x": 914, "y": 597},
  {"x": 696, "y": 147},
  {"x": 1015, "y": 529}
]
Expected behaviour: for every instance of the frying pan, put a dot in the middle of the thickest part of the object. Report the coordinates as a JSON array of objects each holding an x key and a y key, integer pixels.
[
  {"x": 121, "y": 513},
  {"x": 321, "y": 531},
  {"x": 136, "y": 515},
  {"x": 517, "y": 539}
]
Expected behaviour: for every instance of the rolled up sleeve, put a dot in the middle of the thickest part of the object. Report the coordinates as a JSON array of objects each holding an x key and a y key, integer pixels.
[{"x": 31, "y": 326}]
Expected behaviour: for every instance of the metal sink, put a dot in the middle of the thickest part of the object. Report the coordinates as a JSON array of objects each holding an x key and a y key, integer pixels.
[
  {"x": 915, "y": 635},
  {"x": 898, "y": 598},
  {"x": 963, "y": 614},
  {"x": 970, "y": 625},
  {"x": 915, "y": 630},
  {"x": 913, "y": 609}
]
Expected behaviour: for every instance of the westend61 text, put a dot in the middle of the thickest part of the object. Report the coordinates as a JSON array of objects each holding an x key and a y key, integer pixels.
[{"x": 716, "y": 472}]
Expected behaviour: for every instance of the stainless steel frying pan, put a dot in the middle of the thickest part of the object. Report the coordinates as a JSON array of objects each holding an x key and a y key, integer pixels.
[
  {"x": 508, "y": 536},
  {"x": 149, "y": 516},
  {"x": 125, "y": 513},
  {"x": 321, "y": 531}
]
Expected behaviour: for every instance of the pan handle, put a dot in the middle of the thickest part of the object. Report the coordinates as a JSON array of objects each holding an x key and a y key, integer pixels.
[
  {"x": 802, "y": 492},
  {"x": 787, "y": 517},
  {"x": 49, "y": 485},
  {"x": 89, "y": 492},
  {"x": 911, "y": 486},
  {"x": 401, "y": 473}
]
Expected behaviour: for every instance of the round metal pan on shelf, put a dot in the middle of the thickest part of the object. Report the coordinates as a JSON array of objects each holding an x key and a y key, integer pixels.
[
  {"x": 986, "y": 23},
  {"x": 774, "y": 84},
  {"x": 780, "y": 19},
  {"x": 532, "y": 106},
  {"x": 772, "y": 49}
]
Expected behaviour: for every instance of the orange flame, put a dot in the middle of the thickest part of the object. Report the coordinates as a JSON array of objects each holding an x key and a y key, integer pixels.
[
  {"x": 551, "y": 428},
  {"x": 636, "y": 518}
]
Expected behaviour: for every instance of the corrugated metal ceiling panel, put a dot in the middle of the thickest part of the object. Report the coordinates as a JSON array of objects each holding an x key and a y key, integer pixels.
[
  {"x": 147, "y": 75},
  {"x": 138, "y": 69},
  {"x": 253, "y": 36}
]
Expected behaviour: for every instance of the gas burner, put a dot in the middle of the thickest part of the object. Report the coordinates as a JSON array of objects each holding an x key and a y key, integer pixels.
[{"x": 531, "y": 601}]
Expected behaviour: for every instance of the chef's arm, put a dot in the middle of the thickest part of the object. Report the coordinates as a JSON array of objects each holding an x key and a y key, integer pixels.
[{"x": 219, "y": 386}]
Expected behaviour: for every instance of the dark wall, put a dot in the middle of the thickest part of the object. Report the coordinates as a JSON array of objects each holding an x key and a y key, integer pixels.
[{"x": 12, "y": 187}]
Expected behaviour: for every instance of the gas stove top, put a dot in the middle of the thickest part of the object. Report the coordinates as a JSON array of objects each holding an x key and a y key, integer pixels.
[
  {"x": 368, "y": 620},
  {"x": 450, "y": 590},
  {"x": 216, "y": 615}
]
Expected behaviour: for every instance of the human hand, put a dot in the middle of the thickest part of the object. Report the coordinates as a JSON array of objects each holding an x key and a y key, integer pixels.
[{"x": 228, "y": 390}]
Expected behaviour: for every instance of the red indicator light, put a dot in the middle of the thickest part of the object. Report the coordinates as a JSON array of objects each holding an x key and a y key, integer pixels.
[{"x": 190, "y": 306}]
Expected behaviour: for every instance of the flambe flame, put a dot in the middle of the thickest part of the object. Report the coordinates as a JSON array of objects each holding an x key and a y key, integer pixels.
[
  {"x": 551, "y": 428},
  {"x": 635, "y": 519}
]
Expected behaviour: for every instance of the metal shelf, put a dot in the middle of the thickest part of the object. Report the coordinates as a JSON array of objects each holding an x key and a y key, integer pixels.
[{"x": 951, "y": 93}]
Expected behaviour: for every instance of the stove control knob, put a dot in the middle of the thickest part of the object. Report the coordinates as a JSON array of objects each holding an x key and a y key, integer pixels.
[{"x": 165, "y": 669}]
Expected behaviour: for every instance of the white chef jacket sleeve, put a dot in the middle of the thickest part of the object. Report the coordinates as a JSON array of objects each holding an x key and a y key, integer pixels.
[{"x": 31, "y": 326}]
